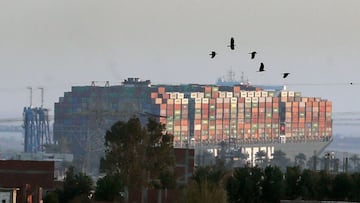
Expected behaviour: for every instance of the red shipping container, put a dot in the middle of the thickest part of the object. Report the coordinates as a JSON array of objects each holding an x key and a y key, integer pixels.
[
  {"x": 163, "y": 106},
  {"x": 207, "y": 89},
  {"x": 154, "y": 95}
]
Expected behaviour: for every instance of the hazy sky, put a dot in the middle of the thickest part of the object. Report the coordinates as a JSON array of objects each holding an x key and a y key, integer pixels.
[{"x": 57, "y": 44}]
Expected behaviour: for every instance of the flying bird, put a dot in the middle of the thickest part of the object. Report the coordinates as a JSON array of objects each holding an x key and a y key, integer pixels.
[
  {"x": 262, "y": 68},
  {"x": 213, "y": 54},
  {"x": 232, "y": 44},
  {"x": 351, "y": 83},
  {"x": 285, "y": 75},
  {"x": 253, "y": 54}
]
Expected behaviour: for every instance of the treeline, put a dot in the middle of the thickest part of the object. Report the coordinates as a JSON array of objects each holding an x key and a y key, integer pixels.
[
  {"x": 142, "y": 158},
  {"x": 216, "y": 184},
  {"x": 253, "y": 184}
]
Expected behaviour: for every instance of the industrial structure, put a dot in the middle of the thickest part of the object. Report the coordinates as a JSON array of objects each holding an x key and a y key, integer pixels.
[
  {"x": 36, "y": 126},
  {"x": 241, "y": 116}
]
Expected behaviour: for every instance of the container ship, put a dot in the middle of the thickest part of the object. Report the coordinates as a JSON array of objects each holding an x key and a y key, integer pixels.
[{"x": 244, "y": 117}]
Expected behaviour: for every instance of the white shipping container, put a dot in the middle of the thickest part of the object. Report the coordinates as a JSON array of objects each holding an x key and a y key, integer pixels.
[
  {"x": 229, "y": 94},
  {"x": 170, "y": 101},
  {"x": 257, "y": 94},
  {"x": 269, "y": 99},
  {"x": 222, "y": 94},
  {"x": 243, "y": 94},
  {"x": 291, "y": 93},
  {"x": 193, "y": 95},
  {"x": 198, "y": 100},
  {"x": 200, "y": 95},
  {"x": 251, "y": 94},
  {"x": 255, "y": 100},
  {"x": 158, "y": 101},
  {"x": 173, "y": 95},
  {"x": 233, "y": 100},
  {"x": 185, "y": 101},
  {"x": 247, "y": 100},
  {"x": 177, "y": 101},
  {"x": 264, "y": 94},
  {"x": 284, "y": 93},
  {"x": 205, "y": 100},
  {"x": 197, "y": 127},
  {"x": 180, "y": 95}
]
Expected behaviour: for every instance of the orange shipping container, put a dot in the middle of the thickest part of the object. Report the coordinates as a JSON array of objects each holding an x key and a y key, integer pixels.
[
  {"x": 236, "y": 89},
  {"x": 184, "y": 122},
  {"x": 328, "y": 108},
  {"x": 161, "y": 90}
]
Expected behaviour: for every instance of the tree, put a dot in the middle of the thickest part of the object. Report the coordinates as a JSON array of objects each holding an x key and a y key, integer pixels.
[
  {"x": 109, "y": 188},
  {"x": 75, "y": 185},
  {"x": 324, "y": 186},
  {"x": 241, "y": 157},
  {"x": 342, "y": 187},
  {"x": 280, "y": 160},
  {"x": 293, "y": 179},
  {"x": 207, "y": 184},
  {"x": 51, "y": 197},
  {"x": 313, "y": 162},
  {"x": 355, "y": 193},
  {"x": 261, "y": 158},
  {"x": 142, "y": 156},
  {"x": 300, "y": 160},
  {"x": 308, "y": 182},
  {"x": 355, "y": 161},
  {"x": 273, "y": 185},
  {"x": 245, "y": 185}
]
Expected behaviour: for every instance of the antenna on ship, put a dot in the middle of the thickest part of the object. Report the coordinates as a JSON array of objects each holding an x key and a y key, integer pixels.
[
  {"x": 242, "y": 78},
  {"x": 231, "y": 76}
]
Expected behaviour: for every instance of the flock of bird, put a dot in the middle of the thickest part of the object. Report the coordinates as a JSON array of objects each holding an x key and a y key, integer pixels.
[{"x": 252, "y": 56}]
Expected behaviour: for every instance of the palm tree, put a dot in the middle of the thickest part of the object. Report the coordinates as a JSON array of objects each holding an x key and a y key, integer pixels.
[
  {"x": 300, "y": 160},
  {"x": 261, "y": 158},
  {"x": 207, "y": 185},
  {"x": 280, "y": 160},
  {"x": 313, "y": 162},
  {"x": 355, "y": 160},
  {"x": 242, "y": 157}
]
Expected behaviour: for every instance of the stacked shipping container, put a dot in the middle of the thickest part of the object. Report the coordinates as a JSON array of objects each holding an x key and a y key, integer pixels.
[{"x": 211, "y": 115}]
